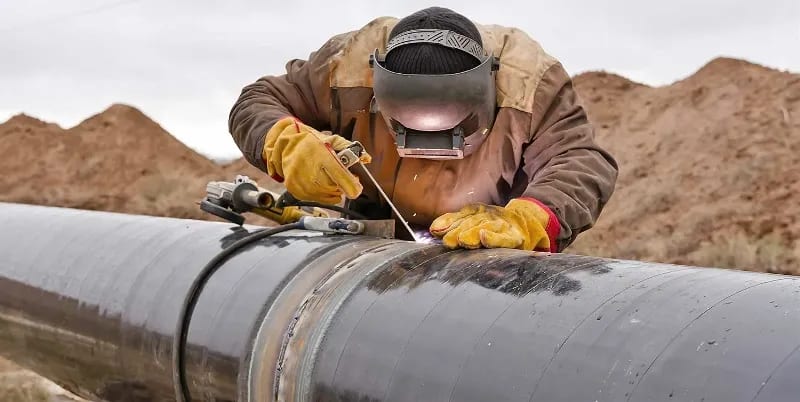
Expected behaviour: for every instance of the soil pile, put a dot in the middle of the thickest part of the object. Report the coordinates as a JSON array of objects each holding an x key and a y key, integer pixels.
[
  {"x": 118, "y": 160},
  {"x": 709, "y": 167}
]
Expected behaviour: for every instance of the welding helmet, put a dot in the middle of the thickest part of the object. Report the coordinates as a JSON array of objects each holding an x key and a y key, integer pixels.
[{"x": 436, "y": 116}]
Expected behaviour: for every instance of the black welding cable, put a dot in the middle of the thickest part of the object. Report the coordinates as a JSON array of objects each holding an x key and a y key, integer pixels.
[{"x": 182, "y": 329}]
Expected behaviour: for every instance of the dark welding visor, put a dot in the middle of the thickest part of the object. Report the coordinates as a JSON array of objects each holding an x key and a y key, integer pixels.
[{"x": 437, "y": 116}]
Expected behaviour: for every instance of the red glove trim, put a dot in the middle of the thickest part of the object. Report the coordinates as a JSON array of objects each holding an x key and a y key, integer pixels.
[
  {"x": 277, "y": 178},
  {"x": 553, "y": 228}
]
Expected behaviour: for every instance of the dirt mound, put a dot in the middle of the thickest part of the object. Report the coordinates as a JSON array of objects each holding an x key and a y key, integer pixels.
[
  {"x": 241, "y": 166},
  {"x": 708, "y": 167},
  {"x": 118, "y": 160}
]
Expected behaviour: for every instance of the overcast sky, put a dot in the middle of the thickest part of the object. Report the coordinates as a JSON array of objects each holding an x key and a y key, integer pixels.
[{"x": 183, "y": 63}]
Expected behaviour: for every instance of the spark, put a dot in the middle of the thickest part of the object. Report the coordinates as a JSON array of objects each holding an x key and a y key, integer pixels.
[{"x": 423, "y": 236}]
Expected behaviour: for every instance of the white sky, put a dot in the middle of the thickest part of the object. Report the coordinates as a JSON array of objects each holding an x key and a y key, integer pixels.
[{"x": 184, "y": 62}]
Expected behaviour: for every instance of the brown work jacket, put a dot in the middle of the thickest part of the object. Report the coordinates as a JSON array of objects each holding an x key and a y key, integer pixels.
[{"x": 541, "y": 145}]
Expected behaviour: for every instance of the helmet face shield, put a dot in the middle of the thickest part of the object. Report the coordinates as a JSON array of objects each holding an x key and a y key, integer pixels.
[{"x": 436, "y": 116}]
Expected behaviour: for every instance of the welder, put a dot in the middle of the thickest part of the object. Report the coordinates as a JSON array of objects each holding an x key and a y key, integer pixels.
[{"x": 473, "y": 131}]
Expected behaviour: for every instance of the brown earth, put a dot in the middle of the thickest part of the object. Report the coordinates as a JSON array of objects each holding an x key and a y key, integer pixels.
[
  {"x": 708, "y": 170},
  {"x": 118, "y": 160}
]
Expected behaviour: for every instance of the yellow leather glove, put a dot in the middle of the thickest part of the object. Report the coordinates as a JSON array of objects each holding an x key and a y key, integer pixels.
[
  {"x": 304, "y": 160},
  {"x": 524, "y": 223}
]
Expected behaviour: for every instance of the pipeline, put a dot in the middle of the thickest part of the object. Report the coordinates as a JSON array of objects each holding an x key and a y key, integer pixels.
[{"x": 90, "y": 300}]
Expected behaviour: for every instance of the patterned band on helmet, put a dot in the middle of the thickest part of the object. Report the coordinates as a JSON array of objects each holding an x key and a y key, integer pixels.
[{"x": 438, "y": 36}]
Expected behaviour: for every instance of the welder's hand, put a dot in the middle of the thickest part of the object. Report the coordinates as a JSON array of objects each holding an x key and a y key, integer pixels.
[
  {"x": 523, "y": 223},
  {"x": 304, "y": 160}
]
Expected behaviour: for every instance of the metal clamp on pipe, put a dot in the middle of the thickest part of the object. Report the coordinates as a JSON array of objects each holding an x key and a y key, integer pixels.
[{"x": 332, "y": 225}]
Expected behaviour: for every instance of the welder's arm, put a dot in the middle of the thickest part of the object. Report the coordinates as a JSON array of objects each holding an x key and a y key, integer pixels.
[
  {"x": 303, "y": 93},
  {"x": 565, "y": 169}
]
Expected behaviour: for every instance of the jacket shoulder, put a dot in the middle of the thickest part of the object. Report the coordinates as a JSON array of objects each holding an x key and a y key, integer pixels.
[
  {"x": 523, "y": 63},
  {"x": 349, "y": 67}
]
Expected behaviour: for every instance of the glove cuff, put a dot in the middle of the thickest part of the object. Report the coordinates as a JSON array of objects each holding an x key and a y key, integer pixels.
[
  {"x": 270, "y": 139},
  {"x": 550, "y": 223}
]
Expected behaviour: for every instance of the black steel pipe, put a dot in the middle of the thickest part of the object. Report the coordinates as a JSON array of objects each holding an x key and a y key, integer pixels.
[{"x": 91, "y": 300}]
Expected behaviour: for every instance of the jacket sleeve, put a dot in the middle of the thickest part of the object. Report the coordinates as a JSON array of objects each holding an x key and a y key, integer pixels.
[
  {"x": 564, "y": 167},
  {"x": 303, "y": 92}
]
